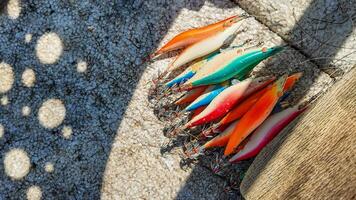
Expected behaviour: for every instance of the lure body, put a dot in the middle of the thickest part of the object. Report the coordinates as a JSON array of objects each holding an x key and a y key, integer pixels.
[
  {"x": 255, "y": 115},
  {"x": 266, "y": 132},
  {"x": 198, "y": 111},
  {"x": 242, "y": 108},
  {"x": 192, "y": 36},
  {"x": 183, "y": 77},
  {"x": 190, "y": 71},
  {"x": 216, "y": 63},
  {"x": 222, "y": 139},
  {"x": 227, "y": 99},
  {"x": 222, "y": 125},
  {"x": 241, "y": 64},
  {"x": 191, "y": 95},
  {"x": 206, "y": 98},
  {"x": 205, "y": 46},
  {"x": 238, "y": 111},
  {"x": 220, "y": 104}
]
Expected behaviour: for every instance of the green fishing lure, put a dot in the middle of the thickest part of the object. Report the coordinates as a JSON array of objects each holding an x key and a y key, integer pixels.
[{"x": 238, "y": 67}]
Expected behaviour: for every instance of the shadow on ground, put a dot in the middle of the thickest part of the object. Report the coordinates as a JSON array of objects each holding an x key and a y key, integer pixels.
[{"x": 110, "y": 38}]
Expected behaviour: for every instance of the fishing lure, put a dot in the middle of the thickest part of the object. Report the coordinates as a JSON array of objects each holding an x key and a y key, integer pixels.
[
  {"x": 222, "y": 139},
  {"x": 207, "y": 45},
  {"x": 219, "y": 141},
  {"x": 239, "y": 65},
  {"x": 207, "y": 97},
  {"x": 220, "y": 61},
  {"x": 234, "y": 114},
  {"x": 217, "y": 62},
  {"x": 192, "y": 36},
  {"x": 198, "y": 111},
  {"x": 255, "y": 115},
  {"x": 266, "y": 132},
  {"x": 191, "y": 70},
  {"x": 184, "y": 76},
  {"x": 227, "y": 99},
  {"x": 244, "y": 106},
  {"x": 191, "y": 95}
]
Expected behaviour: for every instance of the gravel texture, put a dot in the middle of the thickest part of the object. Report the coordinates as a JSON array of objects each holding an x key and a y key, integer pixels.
[
  {"x": 86, "y": 57},
  {"x": 54, "y": 39}
]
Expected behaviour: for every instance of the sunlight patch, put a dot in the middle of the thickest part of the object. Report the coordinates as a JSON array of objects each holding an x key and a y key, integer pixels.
[
  {"x": 2, "y": 131},
  {"x": 67, "y": 132},
  {"x": 6, "y": 77},
  {"x": 34, "y": 193},
  {"x": 4, "y": 100},
  {"x": 82, "y": 66},
  {"x": 28, "y": 38},
  {"x": 51, "y": 113},
  {"x": 26, "y": 111},
  {"x": 17, "y": 163},
  {"x": 49, "y": 167},
  {"x": 49, "y": 48},
  {"x": 28, "y": 77},
  {"x": 14, "y": 9}
]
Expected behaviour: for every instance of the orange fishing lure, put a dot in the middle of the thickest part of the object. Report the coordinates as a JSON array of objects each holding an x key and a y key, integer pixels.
[
  {"x": 191, "y": 95},
  {"x": 192, "y": 36},
  {"x": 242, "y": 108},
  {"x": 255, "y": 116}
]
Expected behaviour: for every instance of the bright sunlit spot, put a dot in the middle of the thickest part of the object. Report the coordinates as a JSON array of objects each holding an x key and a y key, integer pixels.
[
  {"x": 49, "y": 167},
  {"x": 34, "y": 193},
  {"x": 28, "y": 77},
  {"x": 17, "y": 163},
  {"x": 67, "y": 132},
  {"x": 26, "y": 111},
  {"x": 14, "y": 9},
  {"x": 28, "y": 38},
  {"x": 4, "y": 100},
  {"x": 51, "y": 113},
  {"x": 82, "y": 66},
  {"x": 6, "y": 77},
  {"x": 2, "y": 130},
  {"x": 49, "y": 48}
]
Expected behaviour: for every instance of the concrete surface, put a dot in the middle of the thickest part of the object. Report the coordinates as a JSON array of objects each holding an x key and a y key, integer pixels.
[
  {"x": 86, "y": 58},
  {"x": 314, "y": 82},
  {"x": 324, "y": 30},
  {"x": 99, "y": 136}
]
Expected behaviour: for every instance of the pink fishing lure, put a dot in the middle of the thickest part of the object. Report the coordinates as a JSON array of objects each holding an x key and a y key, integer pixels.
[{"x": 266, "y": 132}]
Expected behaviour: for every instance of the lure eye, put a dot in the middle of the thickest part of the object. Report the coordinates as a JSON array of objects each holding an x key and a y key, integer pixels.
[{"x": 229, "y": 23}]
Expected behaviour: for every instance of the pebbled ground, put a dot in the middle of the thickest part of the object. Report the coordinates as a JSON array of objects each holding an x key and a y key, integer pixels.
[{"x": 75, "y": 121}]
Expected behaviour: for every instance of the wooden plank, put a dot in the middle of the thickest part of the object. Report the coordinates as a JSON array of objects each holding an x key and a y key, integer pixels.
[{"x": 314, "y": 158}]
